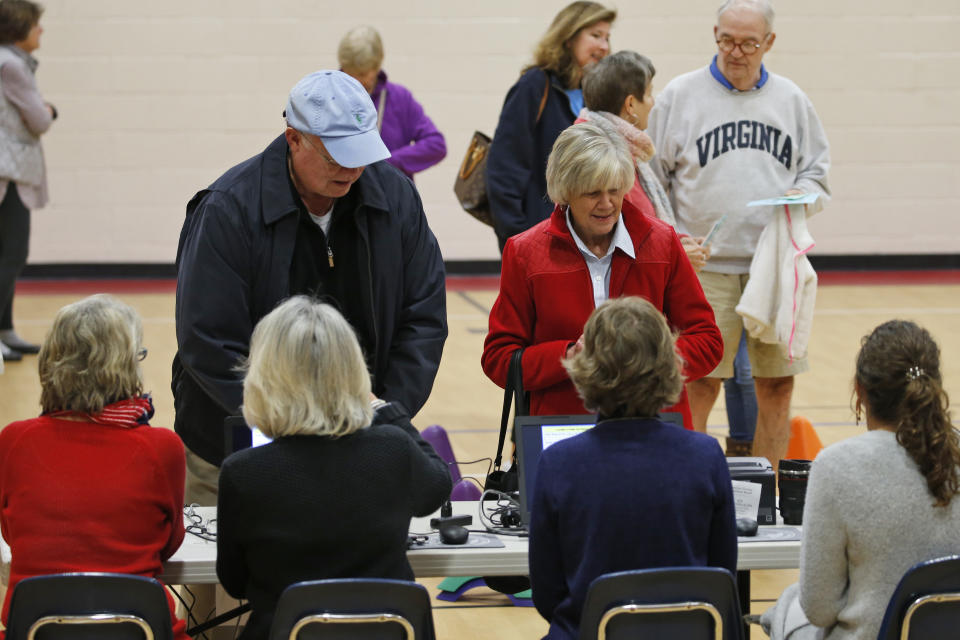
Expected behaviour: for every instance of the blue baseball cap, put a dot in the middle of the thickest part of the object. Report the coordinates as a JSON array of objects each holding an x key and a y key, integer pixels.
[{"x": 337, "y": 109}]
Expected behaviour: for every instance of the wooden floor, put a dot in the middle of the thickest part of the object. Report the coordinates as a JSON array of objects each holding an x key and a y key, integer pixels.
[{"x": 468, "y": 405}]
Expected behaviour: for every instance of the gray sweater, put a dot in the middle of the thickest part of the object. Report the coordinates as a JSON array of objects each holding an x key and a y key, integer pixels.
[
  {"x": 868, "y": 518},
  {"x": 719, "y": 149}
]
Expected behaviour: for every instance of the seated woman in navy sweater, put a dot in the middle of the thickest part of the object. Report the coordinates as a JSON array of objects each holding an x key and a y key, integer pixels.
[
  {"x": 633, "y": 492},
  {"x": 333, "y": 494}
]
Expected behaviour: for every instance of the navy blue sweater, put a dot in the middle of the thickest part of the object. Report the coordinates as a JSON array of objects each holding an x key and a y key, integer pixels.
[{"x": 628, "y": 494}]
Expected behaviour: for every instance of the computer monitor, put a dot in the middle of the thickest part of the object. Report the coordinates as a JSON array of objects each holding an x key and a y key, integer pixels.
[{"x": 533, "y": 434}]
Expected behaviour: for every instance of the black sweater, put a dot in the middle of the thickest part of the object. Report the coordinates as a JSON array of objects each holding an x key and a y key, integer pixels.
[{"x": 312, "y": 507}]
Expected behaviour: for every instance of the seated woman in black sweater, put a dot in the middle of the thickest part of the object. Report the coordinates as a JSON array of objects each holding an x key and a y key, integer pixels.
[
  {"x": 633, "y": 492},
  {"x": 333, "y": 494}
]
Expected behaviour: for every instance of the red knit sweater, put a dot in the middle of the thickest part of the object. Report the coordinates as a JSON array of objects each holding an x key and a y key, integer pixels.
[
  {"x": 80, "y": 496},
  {"x": 546, "y": 297}
]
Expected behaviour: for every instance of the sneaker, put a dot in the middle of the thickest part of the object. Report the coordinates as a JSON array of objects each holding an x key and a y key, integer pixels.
[{"x": 10, "y": 355}]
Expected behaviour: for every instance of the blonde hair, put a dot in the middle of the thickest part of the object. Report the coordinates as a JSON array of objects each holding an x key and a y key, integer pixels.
[
  {"x": 553, "y": 52},
  {"x": 305, "y": 373},
  {"x": 587, "y": 157},
  {"x": 89, "y": 359},
  {"x": 361, "y": 49},
  {"x": 629, "y": 366}
]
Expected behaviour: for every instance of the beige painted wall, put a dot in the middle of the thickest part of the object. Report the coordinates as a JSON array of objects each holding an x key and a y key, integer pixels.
[{"x": 158, "y": 98}]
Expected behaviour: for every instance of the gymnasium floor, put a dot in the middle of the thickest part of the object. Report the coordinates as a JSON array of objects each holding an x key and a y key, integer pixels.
[{"x": 848, "y": 306}]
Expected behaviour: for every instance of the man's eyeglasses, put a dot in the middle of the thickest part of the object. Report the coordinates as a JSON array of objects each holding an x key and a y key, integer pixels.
[
  {"x": 747, "y": 47},
  {"x": 142, "y": 355},
  {"x": 330, "y": 161}
]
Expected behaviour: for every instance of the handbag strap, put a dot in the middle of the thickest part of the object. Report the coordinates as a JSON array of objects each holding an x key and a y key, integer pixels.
[
  {"x": 512, "y": 391},
  {"x": 475, "y": 153},
  {"x": 543, "y": 100}
]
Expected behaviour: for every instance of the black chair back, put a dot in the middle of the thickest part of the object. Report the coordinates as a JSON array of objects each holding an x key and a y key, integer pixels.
[
  {"x": 926, "y": 603},
  {"x": 89, "y": 606},
  {"x": 671, "y": 602},
  {"x": 354, "y": 608}
]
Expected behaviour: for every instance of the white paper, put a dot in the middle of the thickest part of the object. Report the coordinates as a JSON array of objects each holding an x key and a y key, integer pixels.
[
  {"x": 746, "y": 498},
  {"x": 797, "y": 198}
]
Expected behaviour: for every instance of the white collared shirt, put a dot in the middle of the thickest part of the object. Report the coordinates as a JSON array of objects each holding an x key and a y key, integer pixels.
[{"x": 600, "y": 267}]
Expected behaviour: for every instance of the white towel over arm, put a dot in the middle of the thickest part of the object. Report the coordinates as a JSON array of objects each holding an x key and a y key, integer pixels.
[{"x": 777, "y": 303}]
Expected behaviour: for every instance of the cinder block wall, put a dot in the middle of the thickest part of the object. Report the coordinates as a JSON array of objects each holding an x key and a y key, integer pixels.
[{"x": 157, "y": 99}]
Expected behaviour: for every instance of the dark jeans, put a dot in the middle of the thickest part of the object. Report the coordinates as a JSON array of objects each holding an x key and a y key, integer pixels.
[
  {"x": 14, "y": 244},
  {"x": 741, "y": 395}
]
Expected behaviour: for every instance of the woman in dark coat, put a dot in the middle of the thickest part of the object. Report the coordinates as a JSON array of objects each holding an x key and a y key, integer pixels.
[
  {"x": 544, "y": 101},
  {"x": 333, "y": 494}
]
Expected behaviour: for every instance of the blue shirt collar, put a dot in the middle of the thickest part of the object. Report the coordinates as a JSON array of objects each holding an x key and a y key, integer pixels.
[{"x": 719, "y": 77}]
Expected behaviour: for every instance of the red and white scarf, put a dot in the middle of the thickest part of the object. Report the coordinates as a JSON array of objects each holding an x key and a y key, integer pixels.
[{"x": 126, "y": 413}]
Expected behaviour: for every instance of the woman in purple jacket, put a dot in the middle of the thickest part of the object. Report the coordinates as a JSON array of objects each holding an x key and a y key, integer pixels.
[{"x": 413, "y": 140}]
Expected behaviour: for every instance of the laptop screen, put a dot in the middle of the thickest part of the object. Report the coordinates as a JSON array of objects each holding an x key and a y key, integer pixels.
[
  {"x": 240, "y": 435},
  {"x": 533, "y": 434}
]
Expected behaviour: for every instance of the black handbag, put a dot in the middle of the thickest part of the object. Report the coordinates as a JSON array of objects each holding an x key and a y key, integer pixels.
[{"x": 498, "y": 479}]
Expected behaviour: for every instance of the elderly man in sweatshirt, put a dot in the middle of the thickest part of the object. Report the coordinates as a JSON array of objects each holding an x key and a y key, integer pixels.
[{"x": 727, "y": 134}]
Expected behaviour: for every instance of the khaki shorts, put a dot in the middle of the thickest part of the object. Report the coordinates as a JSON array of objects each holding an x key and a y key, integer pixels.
[
  {"x": 201, "y": 482},
  {"x": 723, "y": 291}
]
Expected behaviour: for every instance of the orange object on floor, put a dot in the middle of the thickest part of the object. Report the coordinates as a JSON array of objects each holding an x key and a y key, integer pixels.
[{"x": 804, "y": 442}]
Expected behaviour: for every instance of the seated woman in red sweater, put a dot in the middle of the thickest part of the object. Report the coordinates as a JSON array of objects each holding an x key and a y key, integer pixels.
[
  {"x": 595, "y": 246},
  {"x": 90, "y": 485}
]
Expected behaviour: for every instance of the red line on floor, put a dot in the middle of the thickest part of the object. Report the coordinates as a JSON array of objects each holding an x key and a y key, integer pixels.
[
  {"x": 464, "y": 283},
  {"x": 89, "y": 287}
]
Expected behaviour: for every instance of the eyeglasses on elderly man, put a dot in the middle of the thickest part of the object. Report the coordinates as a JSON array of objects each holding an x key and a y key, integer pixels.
[{"x": 727, "y": 44}]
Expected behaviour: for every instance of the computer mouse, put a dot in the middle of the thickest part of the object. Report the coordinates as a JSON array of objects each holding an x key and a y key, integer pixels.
[
  {"x": 453, "y": 534},
  {"x": 746, "y": 527}
]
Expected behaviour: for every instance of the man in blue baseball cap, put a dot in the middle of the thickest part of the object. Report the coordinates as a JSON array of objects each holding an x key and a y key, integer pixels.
[{"x": 318, "y": 212}]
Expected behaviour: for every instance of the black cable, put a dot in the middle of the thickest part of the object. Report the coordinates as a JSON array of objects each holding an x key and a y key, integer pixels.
[
  {"x": 236, "y": 612},
  {"x": 188, "y": 607},
  {"x": 489, "y": 467},
  {"x": 505, "y": 504}
]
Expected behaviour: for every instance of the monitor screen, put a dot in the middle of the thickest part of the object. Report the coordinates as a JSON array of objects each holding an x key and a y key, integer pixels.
[{"x": 533, "y": 434}]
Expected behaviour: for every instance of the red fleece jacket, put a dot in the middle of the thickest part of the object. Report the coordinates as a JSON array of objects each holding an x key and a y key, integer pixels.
[
  {"x": 81, "y": 496},
  {"x": 546, "y": 297}
]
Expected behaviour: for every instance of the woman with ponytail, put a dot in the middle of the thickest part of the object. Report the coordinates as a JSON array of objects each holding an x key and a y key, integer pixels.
[{"x": 880, "y": 502}]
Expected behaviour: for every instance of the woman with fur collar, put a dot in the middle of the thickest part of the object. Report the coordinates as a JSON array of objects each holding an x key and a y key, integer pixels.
[{"x": 618, "y": 95}]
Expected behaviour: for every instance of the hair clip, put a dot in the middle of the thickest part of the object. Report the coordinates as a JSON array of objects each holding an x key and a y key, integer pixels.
[{"x": 914, "y": 372}]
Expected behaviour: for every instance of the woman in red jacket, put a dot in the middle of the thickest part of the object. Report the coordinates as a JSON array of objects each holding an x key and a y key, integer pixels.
[
  {"x": 594, "y": 246},
  {"x": 90, "y": 485}
]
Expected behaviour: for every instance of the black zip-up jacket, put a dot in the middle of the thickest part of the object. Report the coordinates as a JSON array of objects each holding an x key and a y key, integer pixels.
[{"x": 233, "y": 267}]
